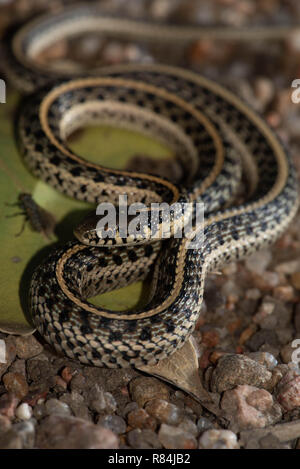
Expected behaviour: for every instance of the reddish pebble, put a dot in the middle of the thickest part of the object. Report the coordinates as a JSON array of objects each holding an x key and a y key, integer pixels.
[
  {"x": 248, "y": 407},
  {"x": 60, "y": 383},
  {"x": 273, "y": 119},
  {"x": 124, "y": 391},
  {"x": 214, "y": 357},
  {"x": 16, "y": 384},
  {"x": 289, "y": 396},
  {"x": 66, "y": 374},
  {"x": 200, "y": 51},
  {"x": 210, "y": 338},
  {"x": 141, "y": 419},
  {"x": 239, "y": 349}
]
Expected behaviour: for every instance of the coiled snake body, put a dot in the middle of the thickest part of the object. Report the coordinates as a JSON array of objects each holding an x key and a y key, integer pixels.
[{"x": 212, "y": 132}]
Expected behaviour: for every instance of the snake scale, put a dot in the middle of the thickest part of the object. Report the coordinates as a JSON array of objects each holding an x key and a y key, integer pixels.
[{"x": 215, "y": 136}]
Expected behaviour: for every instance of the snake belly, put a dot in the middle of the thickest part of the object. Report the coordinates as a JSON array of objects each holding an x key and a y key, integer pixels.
[{"x": 214, "y": 134}]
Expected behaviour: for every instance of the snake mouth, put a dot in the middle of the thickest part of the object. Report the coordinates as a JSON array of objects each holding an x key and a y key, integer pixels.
[{"x": 96, "y": 230}]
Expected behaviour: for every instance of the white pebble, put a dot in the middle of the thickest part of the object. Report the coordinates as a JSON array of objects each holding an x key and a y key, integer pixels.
[
  {"x": 24, "y": 412},
  {"x": 218, "y": 439}
]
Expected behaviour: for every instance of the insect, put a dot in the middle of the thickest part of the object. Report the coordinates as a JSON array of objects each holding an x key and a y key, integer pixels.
[{"x": 39, "y": 219}]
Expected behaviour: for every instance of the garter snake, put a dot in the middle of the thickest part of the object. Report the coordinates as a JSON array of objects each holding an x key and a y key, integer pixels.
[{"x": 213, "y": 133}]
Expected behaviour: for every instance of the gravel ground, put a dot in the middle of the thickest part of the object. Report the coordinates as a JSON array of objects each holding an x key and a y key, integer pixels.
[{"x": 251, "y": 313}]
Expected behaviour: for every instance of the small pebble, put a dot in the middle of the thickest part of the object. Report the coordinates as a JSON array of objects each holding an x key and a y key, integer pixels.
[
  {"x": 262, "y": 337},
  {"x": 285, "y": 335},
  {"x": 264, "y": 358},
  {"x": 250, "y": 407},
  {"x": 66, "y": 432},
  {"x": 11, "y": 440},
  {"x": 77, "y": 404},
  {"x": 231, "y": 290},
  {"x": 210, "y": 338},
  {"x": 295, "y": 280},
  {"x": 264, "y": 90},
  {"x": 8, "y": 404},
  {"x": 253, "y": 294},
  {"x": 28, "y": 346},
  {"x": 289, "y": 394},
  {"x": 270, "y": 349},
  {"x": 78, "y": 383},
  {"x": 264, "y": 316},
  {"x": 143, "y": 439},
  {"x": 289, "y": 267},
  {"x": 204, "y": 424},
  {"x": 176, "y": 438},
  {"x": 139, "y": 418},
  {"x": 16, "y": 384},
  {"x": 66, "y": 374},
  {"x": 259, "y": 261},
  {"x": 60, "y": 384},
  {"x": 144, "y": 389},
  {"x": 164, "y": 412},
  {"x": 24, "y": 412},
  {"x": 266, "y": 281},
  {"x": 218, "y": 439},
  {"x": 19, "y": 366},
  {"x": 247, "y": 334},
  {"x": 40, "y": 370},
  {"x": 161, "y": 9},
  {"x": 36, "y": 396},
  {"x": 192, "y": 404},
  {"x": 101, "y": 401},
  {"x": 189, "y": 426},
  {"x": 232, "y": 370},
  {"x": 113, "y": 422},
  {"x": 39, "y": 411},
  {"x": 26, "y": 431},
  {"x": 286, "y": 353},
  {"x": 54, "y": 406},
  {"x": 277, "y": 374},
  {"x": 129, "y": 408}
]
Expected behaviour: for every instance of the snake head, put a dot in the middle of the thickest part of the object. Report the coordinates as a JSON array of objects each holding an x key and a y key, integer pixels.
[{"x": 99, "y": 230}]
